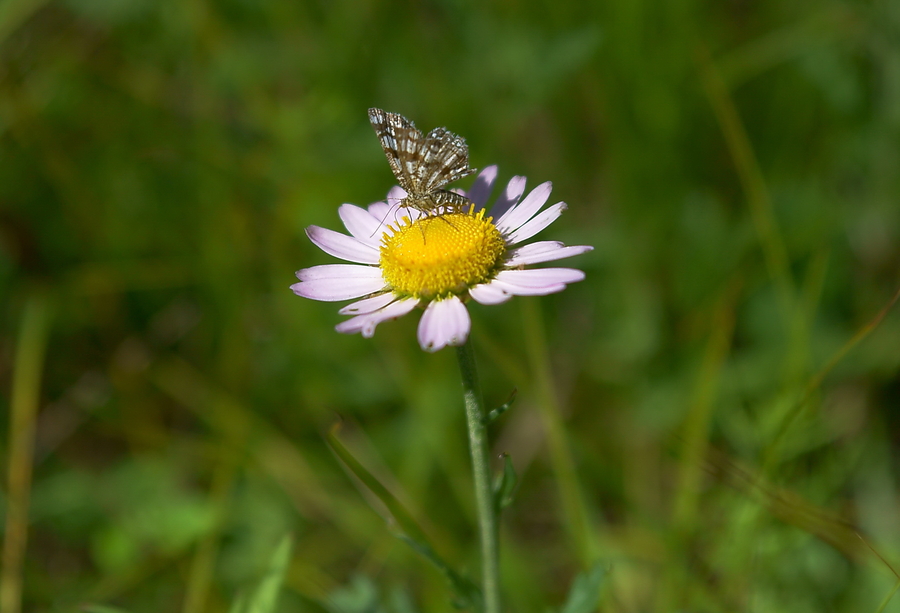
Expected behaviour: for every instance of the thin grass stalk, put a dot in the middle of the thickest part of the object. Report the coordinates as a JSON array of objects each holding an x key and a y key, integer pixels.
[
  {"x": 26, "y": 386},
  {"x": 481, "y": 471}
]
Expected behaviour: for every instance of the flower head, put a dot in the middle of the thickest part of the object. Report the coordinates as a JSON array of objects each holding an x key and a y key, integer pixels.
[{"x": 439, "y": 262}]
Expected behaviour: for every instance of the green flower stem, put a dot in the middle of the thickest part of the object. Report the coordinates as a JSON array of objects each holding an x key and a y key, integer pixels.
[{"x": 481, "y": 469}]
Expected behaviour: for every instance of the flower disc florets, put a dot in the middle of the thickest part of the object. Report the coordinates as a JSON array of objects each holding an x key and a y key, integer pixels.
[{"x": 435, "y": 257}]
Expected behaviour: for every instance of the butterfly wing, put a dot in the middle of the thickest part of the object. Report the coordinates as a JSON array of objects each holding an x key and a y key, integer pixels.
[
  {"x": 445, "y": 158},
  {"x": 401, "y": 141}
]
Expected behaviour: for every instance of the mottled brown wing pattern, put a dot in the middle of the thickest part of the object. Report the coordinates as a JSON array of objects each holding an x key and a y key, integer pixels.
[
  {"x": 400, "y": 140},
  {"x": 423, "y": 165},
  {"x": 445, "y": 158}
]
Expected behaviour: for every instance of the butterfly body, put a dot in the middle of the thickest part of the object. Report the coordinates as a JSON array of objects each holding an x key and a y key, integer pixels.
[{"x": 423, "y": 164}]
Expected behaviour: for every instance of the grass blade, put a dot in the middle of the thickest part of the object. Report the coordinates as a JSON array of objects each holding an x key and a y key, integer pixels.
[
  {"x": 26, "y": 386},
  {"x": 410, "y": 532},
  {"x": 265, "y": 596},
  {"x": 585, "y": 591}
]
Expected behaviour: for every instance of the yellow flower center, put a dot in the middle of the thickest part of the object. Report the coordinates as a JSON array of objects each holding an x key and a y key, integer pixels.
[{"x": 435, "y": 257}]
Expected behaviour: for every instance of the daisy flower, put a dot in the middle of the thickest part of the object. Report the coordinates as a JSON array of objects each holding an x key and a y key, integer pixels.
[{"x": 439, "y": 262}]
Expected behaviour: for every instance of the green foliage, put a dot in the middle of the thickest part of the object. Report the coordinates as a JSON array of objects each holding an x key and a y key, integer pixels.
[
  {"x": 466, "y": 593},
  {"x": 585, "y": 591},
  {"x": 360, "y": 596},
  {"x": 505, "y": 485},
  {"x": 265, "y": 596},
  {"x": 494, "y": 414},
  {"x": 712, "y": 412}
]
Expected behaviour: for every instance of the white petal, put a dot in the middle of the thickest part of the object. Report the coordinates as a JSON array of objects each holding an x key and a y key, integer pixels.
[
  {"x": 368, "y": 305},
  {"x": 445, "y": 322},
  {"x": 543, "y": 251},
  {"x": 489, "y": 294},
  {"x": 333, "y": 282},
  {"x": 379, "y": 210},
  {"x": 367, "y": 323},
  {"x": 540, "y": 277},
  {"x": 364, "y": 226},
  {"x": 538, "y": 223},
  {"x": 536, "y": 282},
  {"x": 514, "y": 190},
  {"x": 522, "y": 290},
  {"x": 481, "y": 189},
  {"x": 395, "y": 195},
  {"x": 342, "y": 246},
  {"x": 339, "y": 271},
  {"x": 526, "y": 209}
]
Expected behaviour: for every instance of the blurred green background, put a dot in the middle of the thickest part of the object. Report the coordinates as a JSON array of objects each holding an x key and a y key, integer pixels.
[{"x": 696, "y": 414}]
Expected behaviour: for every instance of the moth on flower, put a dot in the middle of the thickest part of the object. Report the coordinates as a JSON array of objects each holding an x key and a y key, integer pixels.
[
  {"x": 447, "y": 251},
  {"x": 423, "y": 164}
]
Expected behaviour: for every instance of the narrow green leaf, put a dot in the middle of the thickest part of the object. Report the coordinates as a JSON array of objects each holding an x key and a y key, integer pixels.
[
  {"x": 403, "y": 518},
  {"x": 503, "y": 408},
  {"x": 505, "y": 485},
  {"x": 99, "y": 608},
  {"x": 264, "y": 598},
  {"x": 410, "y": 532},
  {"x": 887, "y": 599},
  {"x": 468, "y": 595},
  {"x": 584, "y": 595}
]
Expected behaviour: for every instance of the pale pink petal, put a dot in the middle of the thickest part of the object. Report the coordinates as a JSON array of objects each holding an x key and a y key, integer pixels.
[
  {"x": 380, "y": 210},
  {"x": 342, "y": 246},
  {"x": 445, "y": 322},
  {"x": 332, "y": 282},
  {"x": 537, "y": 223},
  {"x": 338, "y": 271},
  {"x": 525, "y": 210},
  {"x": 536, "y": 282},
  {"x": 543, "y": 251},
  {"x": 539, "y": 277},
  {"x": 514, "y": 190},
  {"x": 367, "y": 323},
  {"x": 481, "y": 189},
  {"x": 368, "y": 305},
  {"x": 489, "y": 294},
  {"x": 390, "y": 211},
  {"x": 395, "y": 195},
  {"x": 364, "y": 226},
  {"x": 523, "y": 290}
]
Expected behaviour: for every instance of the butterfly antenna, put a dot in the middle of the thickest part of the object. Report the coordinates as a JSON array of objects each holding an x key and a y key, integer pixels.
[{"x": 391, "y": 207}]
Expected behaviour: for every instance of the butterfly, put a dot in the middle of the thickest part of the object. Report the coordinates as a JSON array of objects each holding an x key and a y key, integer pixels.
[{"x": 423, "y": 165}]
